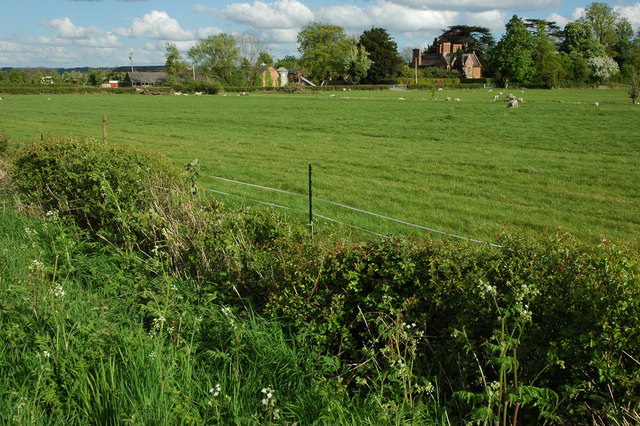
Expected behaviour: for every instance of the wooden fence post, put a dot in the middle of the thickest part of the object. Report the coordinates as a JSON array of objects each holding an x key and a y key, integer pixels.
[{"x": 105, "y": 136}]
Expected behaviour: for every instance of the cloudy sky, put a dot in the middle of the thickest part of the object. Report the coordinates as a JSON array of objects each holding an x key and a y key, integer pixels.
[{"x": 102, "y": 33}]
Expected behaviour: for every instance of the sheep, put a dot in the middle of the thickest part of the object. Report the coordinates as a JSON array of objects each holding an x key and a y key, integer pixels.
[
  {"x": 402, "y": 99},
  {"x": 177, "y": 93},
  {"x": 447, "y": 99},
  {"x": 332, "y": 95},
  {"x": 495, "y": 98},
  {"x": 440, "y": 89},
  {"x": 198, "y": 93},
  {"x": 501, "y": 93},
  {"x": 511, "y": 97},
  {"x": 456, "y": 100},
  {"x": 520, "y": 100},
  {"x": 512, "y": 104},
  {"x": 1, "y": 98},
  {"x": 595, "y": 103},
  {"x": 185, "y": 94}
]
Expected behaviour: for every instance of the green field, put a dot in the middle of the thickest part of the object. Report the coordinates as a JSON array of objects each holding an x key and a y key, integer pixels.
[{"x": 469, "y": 168}]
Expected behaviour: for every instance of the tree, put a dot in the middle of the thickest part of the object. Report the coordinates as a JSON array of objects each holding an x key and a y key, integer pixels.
[
  {"x": 251, "y": 49},
  {"x": 548, "y": 64},
  {"x": 218, "y": 56},
  {"x": 472, "y": 38},
  {"x": 324, "y": 48},
  {"x": 265, "y": 58},
  {"x": 579, "y": 39},
  {"x": 603, "y": 21},
  {"x": 357, "y": 63},
  {"x": 634, "y": 90},
  {"x": 289, "y": 61},
  {"x": 174, "y": 63},
  {"x": 622, "y": 48},
  {"x": 513, "y": 53},
  {"x": 602, "y": 68},
  {"x": 383, "y": 52}
]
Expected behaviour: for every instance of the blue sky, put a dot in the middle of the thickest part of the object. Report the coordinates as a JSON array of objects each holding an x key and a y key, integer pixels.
[{"x": 102, "y": 33}]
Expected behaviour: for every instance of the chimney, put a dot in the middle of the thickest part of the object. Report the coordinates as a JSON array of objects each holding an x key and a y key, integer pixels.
[
  {"x": 417, "y": 57},
  {"x": 444, "y": 48},
  {"x": 456, "y": 47}
]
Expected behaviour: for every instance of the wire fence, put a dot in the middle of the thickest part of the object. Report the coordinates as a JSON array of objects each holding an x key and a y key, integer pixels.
[{"x": 333, "y": 203}]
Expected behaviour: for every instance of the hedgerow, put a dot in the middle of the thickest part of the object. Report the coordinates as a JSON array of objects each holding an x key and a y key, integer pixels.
[{"x": 533, "y": 331}]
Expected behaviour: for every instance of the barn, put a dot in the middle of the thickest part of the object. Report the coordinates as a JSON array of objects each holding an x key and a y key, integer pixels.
[{"x": 146, "y": 79}]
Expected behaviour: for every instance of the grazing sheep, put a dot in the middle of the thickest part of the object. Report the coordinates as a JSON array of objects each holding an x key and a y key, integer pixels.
[
  {"x": 495, "y": 98},
  {"x": 440, "y": 89},
  {"x": 520, "y": 100},
  {"x": 456, "y": 100},
  {"x": 198, "y": 93},
  {"x": 1, "y": 98},
  {"x": 185, "y": 94},
  {"x": 512, "y": 104},
  {"x": 244, "y": 94},
  {"x": 177, "y": 93},
  {"x": 595, "y": 103},
  {"x": 511, "y": 97},
  {"x": 501, "y": 93},
  {"x": 447, "y": 99},
  {"x": 403, "y": 99},
  {"x": 332, "y": 95}
]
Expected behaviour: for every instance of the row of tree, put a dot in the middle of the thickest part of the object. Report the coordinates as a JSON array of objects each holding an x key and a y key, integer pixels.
[
  {"x": 591, "y": 50},
  {"x": 600, "y": 46}
]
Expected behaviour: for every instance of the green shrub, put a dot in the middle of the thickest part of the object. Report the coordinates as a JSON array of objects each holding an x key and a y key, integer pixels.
[{"x": 106, "y": 189}]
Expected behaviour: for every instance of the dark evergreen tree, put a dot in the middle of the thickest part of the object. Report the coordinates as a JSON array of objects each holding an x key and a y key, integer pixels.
[{"x": 383, "y": 51}]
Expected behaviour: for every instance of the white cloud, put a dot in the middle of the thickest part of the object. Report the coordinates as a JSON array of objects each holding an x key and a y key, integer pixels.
[
  {"x": 158, "y": 25},
  {"x": 632, "y": 13},
  {"x": 400, "y": 18},
  {"x": 67, "y": 29},
  {"x": 279, "y": 14},
  {"x": 577, "y": 13},
  {"x": 284, "y": 35},
  {"x": 479, "y": 5},
  {"x": 492, "y": 19},
  {"x": 345, "y": 16},
  {"x": 558, "y": 19},
  {"x": 8, "y": 46}
]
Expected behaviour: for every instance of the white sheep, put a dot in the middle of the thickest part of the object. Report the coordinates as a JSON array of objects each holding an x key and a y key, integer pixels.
[
  {"x": 512, "y": 104},
  {"x": 456, "y": 100},
  {"x": 177, "y": 93},
  {"x": 447, "y": 99},
  {"x": 402, "y": 99},
  {"x": 1, "y": 98},
  {"x": 520, "y": 100},
  {"x": 198, "y": 93},
  {"x": 495, "y": 98},
  {"x": 185, "y": 94},
  {"x": 595, "y": 103}
]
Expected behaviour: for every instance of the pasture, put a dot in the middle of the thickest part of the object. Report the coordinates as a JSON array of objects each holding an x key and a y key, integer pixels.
[{"x": 469, "y": 168}]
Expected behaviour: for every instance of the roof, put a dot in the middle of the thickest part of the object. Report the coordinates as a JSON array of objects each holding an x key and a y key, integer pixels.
[{"x": 147, "y": 77}]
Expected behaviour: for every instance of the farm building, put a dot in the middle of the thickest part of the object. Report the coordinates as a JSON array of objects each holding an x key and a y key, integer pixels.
[
  {"x": 140, "y": 79},
  {"x": 270, "y": 76},
  {"x": 446, "y": 59}
]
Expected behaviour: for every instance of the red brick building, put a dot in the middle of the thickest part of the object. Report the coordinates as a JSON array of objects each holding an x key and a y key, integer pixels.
[{"x": 446, "y": 59}]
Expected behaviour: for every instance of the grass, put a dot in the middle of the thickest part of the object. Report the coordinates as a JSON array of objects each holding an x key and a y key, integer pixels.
[{"x": 469, "y": 168}]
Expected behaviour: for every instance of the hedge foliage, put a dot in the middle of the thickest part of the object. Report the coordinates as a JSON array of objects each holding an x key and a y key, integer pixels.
[{"x": 533, "y": 331}]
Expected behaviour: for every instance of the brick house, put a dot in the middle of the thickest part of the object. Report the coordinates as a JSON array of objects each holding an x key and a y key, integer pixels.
[{"x": 446, "y": 58}]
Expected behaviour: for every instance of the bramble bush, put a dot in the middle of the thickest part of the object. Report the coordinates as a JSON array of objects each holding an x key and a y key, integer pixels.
[{"x": 534, "y": 331}]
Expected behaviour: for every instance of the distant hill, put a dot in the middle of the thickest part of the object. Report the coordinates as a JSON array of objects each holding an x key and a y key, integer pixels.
[{"x": 144, "y": 68}]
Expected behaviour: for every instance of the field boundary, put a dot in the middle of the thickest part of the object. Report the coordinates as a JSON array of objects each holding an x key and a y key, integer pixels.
[{"x": 344, "y": 206}]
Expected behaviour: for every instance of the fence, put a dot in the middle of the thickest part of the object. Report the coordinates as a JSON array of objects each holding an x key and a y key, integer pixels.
[{"x": 311, "y": 213}]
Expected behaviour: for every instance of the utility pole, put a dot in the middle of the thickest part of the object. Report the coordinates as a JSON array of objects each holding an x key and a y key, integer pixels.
[{"x": 131, "y": 59}]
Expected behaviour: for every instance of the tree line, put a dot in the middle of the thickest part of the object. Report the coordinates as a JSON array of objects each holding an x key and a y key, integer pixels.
[{"x": 598, "y": 48}]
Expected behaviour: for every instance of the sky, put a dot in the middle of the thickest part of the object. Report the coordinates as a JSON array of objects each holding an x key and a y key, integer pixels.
[{"x": 104, "y": 33}]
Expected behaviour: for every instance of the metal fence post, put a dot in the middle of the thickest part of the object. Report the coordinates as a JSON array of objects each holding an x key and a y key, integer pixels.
[{"x": 310, "y": 202}]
